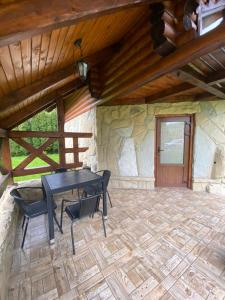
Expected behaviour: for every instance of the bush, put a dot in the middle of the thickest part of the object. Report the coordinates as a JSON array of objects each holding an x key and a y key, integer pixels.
[{"x": 43, "y": 121}]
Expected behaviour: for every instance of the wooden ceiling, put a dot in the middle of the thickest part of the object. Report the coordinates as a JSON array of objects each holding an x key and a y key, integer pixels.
[{"x": 37, "y": 64}]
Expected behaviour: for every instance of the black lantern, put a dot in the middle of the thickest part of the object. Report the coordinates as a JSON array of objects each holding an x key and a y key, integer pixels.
[{"x": 81, "y": 65}]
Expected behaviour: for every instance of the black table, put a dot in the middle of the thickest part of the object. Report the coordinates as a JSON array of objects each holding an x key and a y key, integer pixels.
[{"x": 61, "y": 182}]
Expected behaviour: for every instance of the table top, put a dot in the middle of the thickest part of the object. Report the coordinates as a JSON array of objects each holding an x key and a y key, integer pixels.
[{"x": 61, "y": 182}]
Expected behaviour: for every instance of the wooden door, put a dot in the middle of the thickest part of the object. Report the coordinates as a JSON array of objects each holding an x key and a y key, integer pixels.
[{"x": 174, "y": 151}]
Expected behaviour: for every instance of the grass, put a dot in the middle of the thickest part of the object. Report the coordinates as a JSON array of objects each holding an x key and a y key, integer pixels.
[{"x": 37, "y": 162}]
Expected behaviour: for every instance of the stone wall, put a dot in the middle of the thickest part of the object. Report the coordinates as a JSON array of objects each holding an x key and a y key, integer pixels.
[
  {"x": 8, "y": 223},
  {"x": 126, "y": 141},
  {"x": 84, "y": 123}
]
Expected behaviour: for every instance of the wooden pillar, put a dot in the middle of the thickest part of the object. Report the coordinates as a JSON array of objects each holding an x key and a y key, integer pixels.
[
  {"x": 61, "y": 122},
  {"x": 6, "y": 162}
]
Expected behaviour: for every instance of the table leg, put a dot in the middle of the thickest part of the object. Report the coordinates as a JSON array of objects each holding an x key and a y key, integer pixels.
[
  {"x": 104, "y": 201},
  {"x": 50, "y": 218},
  {"x": 49, "y": 198}
]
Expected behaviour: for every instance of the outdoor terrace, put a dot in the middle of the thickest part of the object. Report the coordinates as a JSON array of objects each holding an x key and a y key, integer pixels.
[{"x": 161, "y": 244}]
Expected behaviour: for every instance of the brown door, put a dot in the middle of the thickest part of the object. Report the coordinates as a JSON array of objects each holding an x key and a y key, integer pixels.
[{"x": 173, "y": 151}]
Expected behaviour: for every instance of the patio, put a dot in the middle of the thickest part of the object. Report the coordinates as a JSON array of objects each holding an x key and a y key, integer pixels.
[{"x": 161, "y": 244}]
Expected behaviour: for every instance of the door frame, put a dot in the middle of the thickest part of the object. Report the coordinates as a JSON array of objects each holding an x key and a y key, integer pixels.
[{"x": 191, "y": 146}]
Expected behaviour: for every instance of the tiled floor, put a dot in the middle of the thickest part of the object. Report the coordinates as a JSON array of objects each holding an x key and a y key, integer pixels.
[{"x": 162, "y": 244}]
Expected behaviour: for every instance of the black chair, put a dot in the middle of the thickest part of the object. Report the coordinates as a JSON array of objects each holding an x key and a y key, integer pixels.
[
  {"x": 60, "y": 170},
  {"x": 31, "y": 207},
  {"x": 92, "y": 189},
  {"x": 86, "y": 206}
]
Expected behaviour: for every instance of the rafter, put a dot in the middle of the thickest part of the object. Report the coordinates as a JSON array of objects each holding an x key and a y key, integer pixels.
[
  {"x": 23, "y": 19},
  {"x": 40, "y": 85},
  {"x": 170, "y": 92},
  {"x": 37, "y": 106},
  {"x": 216, "y": 77},
  {"x": 149, "y": 72},
  {"x": 189, "y": 75}
]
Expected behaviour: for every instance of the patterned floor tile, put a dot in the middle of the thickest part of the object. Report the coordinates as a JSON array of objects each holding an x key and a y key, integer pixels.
[{"x": 161, "y": 244}]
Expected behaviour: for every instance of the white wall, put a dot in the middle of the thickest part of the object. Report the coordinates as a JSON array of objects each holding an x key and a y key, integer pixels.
[{"x": 84, "y": 123}]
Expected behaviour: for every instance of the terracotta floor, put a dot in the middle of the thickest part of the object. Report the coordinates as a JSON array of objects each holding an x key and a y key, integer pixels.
[{"x": 162, "y": 244}]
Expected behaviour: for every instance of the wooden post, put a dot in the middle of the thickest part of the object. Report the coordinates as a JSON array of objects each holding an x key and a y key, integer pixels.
[
  {"x": 6, "y": 163},
  {"x": 61, "y": 122}
]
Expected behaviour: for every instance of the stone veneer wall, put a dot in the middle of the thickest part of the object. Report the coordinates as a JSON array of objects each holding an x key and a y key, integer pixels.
[
  {"x": 84, "y": 123},
  {"x": 126, "y": 141},
  {"x": 8, "y": 223}
]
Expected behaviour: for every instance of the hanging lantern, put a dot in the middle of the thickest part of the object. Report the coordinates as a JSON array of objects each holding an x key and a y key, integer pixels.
[{"x": 81, "y": 66}]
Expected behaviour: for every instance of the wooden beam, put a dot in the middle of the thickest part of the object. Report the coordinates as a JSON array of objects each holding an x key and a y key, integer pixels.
[
  {"x": 36, "y": 87},
  {"x": 189, "y": 75},
  {"x": 6, "y": 163},
  {"x": 216, "y": 77},
  {"x": 126, "y": 101},
  {"x": 48, "y": 134},
  {"x": 61, "y": 123},
  {"x": 37, "y": 106},
  {"x": 3, "y": 133},
  {"x": 182, "y": 56},
  {"x": 23, "y": 19},
  {"x": 170, "y": 92}
]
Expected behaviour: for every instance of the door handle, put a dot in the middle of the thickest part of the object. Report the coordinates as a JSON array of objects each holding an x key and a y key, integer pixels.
[{"x": 160, "y": 150}]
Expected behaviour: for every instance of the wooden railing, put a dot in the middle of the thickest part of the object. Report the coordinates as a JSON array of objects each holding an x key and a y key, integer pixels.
[{"x": 21, "y": 169}]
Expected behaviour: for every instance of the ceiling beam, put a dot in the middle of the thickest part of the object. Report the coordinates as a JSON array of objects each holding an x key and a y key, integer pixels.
[
  {"x": 35, "y": 107},
  {"x": 40, "y": 85},
  {"x": 216, "y": 77},
  {"x": 189, "y": 75},
  {"x": 182, "y": 56},
  {"x": 170, "y": 92},
  {"x": 126, "y": 101},
  {"x": 23, "y": 19}
]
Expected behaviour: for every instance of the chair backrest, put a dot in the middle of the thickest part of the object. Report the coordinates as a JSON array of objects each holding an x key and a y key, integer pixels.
[
  {"x": 18, "y": 199},
  {"x": 61, "y": 170},
  {"x": 88, "y": 205},
  {"x": 106, "y": 176}
]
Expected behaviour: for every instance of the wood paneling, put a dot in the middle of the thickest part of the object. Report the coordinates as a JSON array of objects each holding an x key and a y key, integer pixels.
[
  {"x": 29, "y": 17},
  {"x": 24, "y": 64},
  {"x": 27, "y": 60}
]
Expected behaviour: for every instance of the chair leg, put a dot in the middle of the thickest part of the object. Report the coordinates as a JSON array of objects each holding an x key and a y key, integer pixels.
[
  {"x": 25, "y": 232},
  {"x": 103, "y": 223},
  {"x": 61, "y": 215},
  {"x": 109, "y": 199},
  {"x": 60, "y": 228},
  {"x": 72, "y": 237},
  {"x": 24, "y": 219}
]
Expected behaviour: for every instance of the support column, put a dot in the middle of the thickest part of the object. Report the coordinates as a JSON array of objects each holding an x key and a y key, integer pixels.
[
  {"x": 61, "y": 122},
  {"x": 5, "y": 161}
]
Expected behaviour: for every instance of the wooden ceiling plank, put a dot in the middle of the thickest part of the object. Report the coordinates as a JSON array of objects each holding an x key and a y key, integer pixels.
[
  {"x": 6, "y": 62},
  {"x": 61, "y": 40},
  {"x": 51, "y": 51},
  {"x": 35, "y": 54},
  {"x": 4, "y": 85},
  {"x": 66, "y": 45},
  {"x": 36, "y": 87},
  {"x": 16, "y": 56},
  {"x": 45, "y": 41},
  {"x": 41, "y": 17},
  {"x": 189, "y": 75},
  {"x": 26, "y": 58}
]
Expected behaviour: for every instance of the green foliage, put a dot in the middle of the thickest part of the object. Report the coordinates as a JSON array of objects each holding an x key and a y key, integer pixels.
[
  {"x": 16, "y": 160},
  {"x": 43, "y": 121}
]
